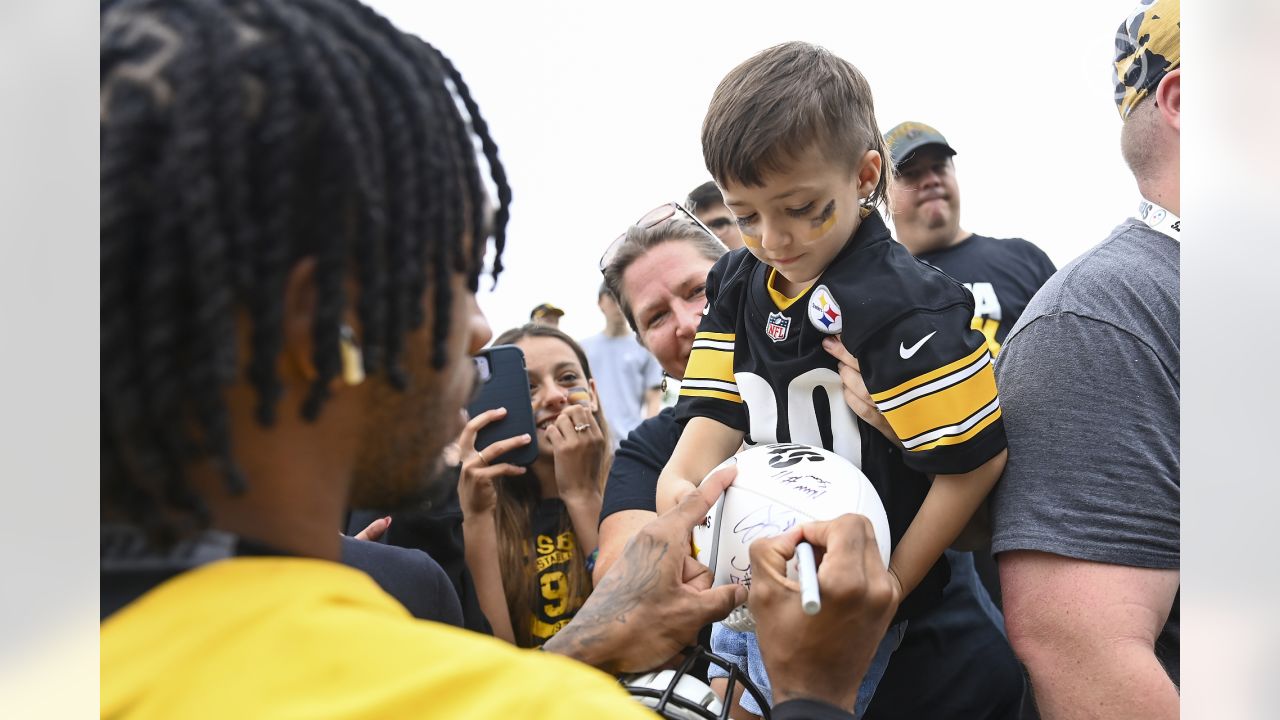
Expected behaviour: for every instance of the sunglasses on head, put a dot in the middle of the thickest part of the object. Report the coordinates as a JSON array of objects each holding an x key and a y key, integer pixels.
[{"x": 653, "y": 218}]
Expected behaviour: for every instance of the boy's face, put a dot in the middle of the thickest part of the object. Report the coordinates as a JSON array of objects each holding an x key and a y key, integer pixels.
[{"x": 800, "y": 218}]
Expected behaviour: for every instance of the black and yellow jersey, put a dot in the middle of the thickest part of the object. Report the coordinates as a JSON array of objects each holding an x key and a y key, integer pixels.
[{"x": 758, "y": 365}]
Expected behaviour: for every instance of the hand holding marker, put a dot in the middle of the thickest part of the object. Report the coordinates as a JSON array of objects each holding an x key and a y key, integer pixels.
[{"x": 809, "y": 598}]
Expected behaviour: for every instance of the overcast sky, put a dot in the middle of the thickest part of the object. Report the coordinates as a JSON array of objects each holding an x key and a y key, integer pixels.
[{"x": 596, "y": 108}]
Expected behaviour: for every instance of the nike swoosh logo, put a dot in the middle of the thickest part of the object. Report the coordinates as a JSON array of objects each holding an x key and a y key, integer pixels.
[{"x": 907, "y": 352}]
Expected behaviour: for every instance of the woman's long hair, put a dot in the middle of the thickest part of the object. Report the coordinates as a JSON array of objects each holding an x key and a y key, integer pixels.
[{"x": 518, "y": 499}]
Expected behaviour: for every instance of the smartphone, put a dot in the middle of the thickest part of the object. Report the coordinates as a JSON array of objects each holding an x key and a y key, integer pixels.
[{"x": 504, "y": 383}]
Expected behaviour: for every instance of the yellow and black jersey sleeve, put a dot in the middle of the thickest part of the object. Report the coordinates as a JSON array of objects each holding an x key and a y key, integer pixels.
[
  {"x": 708, "y": 388},
  {"x": 931, "y": 376}
]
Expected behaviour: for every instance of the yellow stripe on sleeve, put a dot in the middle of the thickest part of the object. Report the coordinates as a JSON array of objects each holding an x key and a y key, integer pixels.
[
  {"x": 710, "y": 365},
  {"x": 929, "y": 376},
  {"x": 696, "y": 392},
  {"x": 727, "y": 337},
  {"x": 948, "y": 406},
  {"x": 958, "y": 439}
]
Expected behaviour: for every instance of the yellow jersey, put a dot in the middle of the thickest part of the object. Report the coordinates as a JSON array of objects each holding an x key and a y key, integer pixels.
[{"x": 285, "y": 637}]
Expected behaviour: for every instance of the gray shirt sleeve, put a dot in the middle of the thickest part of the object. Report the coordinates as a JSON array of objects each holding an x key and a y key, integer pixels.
[{"x": 1091, "y": 416}]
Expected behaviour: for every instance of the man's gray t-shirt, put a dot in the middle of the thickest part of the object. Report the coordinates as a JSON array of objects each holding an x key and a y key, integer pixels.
[
  {"x": 1089, "y": 383},
  {"x": 623, "y": 371}
]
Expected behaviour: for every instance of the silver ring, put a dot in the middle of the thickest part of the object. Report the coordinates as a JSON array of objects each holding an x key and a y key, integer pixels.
[{"x": 580, "y": 428}]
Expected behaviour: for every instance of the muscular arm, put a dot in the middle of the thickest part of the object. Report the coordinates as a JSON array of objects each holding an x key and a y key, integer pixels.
[
  {"x": 1086, "y": 632},
  {"x": 946, "y": 510},
  {"x": 1086, "y": 517},
  {"x": 704, "y": 444}
]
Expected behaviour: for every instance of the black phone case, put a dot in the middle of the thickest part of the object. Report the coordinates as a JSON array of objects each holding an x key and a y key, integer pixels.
[{"x": 506, "y": 387}]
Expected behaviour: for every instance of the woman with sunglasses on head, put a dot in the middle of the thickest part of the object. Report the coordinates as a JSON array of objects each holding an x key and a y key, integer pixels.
[
  {"x": 530, "y": 533},
  {"x": 657, "y": 270}
]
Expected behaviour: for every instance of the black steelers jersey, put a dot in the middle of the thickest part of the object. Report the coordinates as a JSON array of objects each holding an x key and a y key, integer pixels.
[{"x": 758, "y": 365}]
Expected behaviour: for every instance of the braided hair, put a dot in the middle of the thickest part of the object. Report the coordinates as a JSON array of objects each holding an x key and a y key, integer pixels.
[{"x": 238, "y": 137}]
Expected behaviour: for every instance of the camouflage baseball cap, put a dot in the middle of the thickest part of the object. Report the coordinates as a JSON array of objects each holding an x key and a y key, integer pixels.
[
  {"x": 906, "y": 138},
  {"x": 1147, "y": 48}
]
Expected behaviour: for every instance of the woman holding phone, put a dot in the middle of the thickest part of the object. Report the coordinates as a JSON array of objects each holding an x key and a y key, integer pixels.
[{"x": 530, "y": 532}]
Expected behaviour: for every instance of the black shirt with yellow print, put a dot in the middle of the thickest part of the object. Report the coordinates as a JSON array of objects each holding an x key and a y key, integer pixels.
[
  {"x": 758, "y": 366},
  {"x": 554, "y": 547}
]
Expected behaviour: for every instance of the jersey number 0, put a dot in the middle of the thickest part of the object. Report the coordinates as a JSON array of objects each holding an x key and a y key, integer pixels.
[{"x": 802, "y": 419}]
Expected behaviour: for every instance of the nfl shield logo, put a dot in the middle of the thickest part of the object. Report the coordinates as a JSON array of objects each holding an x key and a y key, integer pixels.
[{"x": 777, "y": 327}]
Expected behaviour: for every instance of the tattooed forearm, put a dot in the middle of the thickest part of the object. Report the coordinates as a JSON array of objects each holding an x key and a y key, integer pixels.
[{"x": 593, "y": 636}]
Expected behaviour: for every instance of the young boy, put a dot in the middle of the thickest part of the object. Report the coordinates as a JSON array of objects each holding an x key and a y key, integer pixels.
[{"x": 791, "y": 139}]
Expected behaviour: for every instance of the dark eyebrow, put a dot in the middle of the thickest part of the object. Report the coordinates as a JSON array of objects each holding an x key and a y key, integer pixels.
[
  {"x": 793, "y": 191},
  {"x": 566, "y": 365}
]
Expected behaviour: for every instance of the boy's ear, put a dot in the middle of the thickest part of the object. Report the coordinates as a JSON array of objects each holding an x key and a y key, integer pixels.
[{"x": 869, "y": 168}]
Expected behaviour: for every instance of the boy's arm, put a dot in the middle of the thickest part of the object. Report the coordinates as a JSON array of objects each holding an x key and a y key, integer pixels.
[
  {"x": 704, "y": 444},
  {"x": 946, "y": 510},
  {"x": 930, "y": 375}
]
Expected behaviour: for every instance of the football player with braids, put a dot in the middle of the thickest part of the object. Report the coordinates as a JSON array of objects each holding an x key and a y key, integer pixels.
[
  {"x": 790, "y": 136},
  {"x": 293, "y": 220}
]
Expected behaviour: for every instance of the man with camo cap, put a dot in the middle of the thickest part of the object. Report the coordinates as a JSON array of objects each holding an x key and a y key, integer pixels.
[{"x": 1086, "y": 517}]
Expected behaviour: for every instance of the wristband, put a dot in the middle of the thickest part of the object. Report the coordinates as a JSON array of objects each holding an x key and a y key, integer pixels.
[{"x": 591, "y": 560}]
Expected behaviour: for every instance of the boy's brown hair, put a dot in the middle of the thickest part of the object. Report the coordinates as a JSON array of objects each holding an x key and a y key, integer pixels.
[{"x": 773, "y": 107}]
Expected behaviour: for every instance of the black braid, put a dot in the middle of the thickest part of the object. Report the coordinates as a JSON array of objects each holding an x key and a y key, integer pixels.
[
  {"x": 237, "y": 138},
  {"x": 496, "y": 170}
]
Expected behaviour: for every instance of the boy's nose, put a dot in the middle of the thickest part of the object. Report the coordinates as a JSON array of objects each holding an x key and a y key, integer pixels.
[{"x": 772, "y": 238}]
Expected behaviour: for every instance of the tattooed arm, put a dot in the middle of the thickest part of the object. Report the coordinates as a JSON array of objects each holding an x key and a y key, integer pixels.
[{"x": 656, "y": 596}]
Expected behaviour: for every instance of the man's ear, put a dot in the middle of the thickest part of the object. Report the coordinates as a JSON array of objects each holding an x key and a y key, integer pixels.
[
  {"x": 298, "y": 321},
  {"x": 869, "y": 169},
  {"x": 1169, "y": 99}
]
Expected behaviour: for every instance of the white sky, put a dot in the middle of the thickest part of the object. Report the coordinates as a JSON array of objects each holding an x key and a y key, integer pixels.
[{"x": 597, "y": 107}]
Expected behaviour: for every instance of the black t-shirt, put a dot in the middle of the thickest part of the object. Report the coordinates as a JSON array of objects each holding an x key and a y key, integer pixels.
[
  {"x": 435, "y": 528},
  {"x": 633, "y": 477},
  {"x": 553, "y": 547},
  {"x": 1002, "y": 274},
  {"x": 407, "y": 575}
]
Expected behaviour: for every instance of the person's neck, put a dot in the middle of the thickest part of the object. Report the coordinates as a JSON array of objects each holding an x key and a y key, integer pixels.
[
  {"x": 788, "y": 288},
  {"x": 1163, "y": 191},
  {"x": 291, "y": 512},
  {"x": 297, "y": 477},
  {"x": 616, "y": 329},
  {"x": 935, "y": 242}
]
